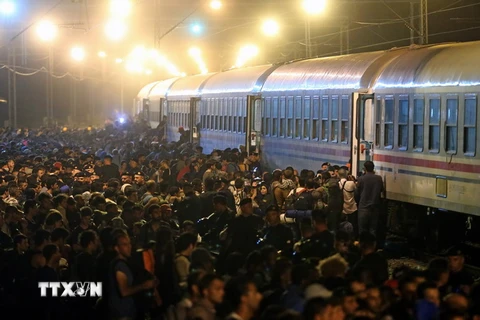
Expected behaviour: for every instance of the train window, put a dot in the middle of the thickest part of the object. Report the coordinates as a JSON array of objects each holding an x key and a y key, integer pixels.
[
  {"x": 228, "y": 122},
  {"x": 267, "y": 114},
  {"x": 242, "y": 121},
  {"x": 217, "y": 114},
  {"x": 388, "y": 123},
  {"x": 334, "y": 121},
  {"x": 434, "y": 125},
  {"x": 403, "y": 123},
  {"x": 325, "y": 119},
  {"x": 315, "y": 117},
  {"x": 469, "y": 130},
  {"x": 235, "y": 113},
  {"x": 289, "y": 117},
  {"x": 306, "y": 118},
  {"x": 298, "y": 117},
  {"x": 418, "y": 116},
  {"x": 203, "y": 117},
  {"x": 345, "y": 112},
  {"x": 275, "y": 117},
  {"x": 378, "y": 119},
  {"x": 452, "y": 120},
  {"x": 282, "y": 116}
]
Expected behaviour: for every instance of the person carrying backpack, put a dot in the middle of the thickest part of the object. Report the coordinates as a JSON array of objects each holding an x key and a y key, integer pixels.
[
  {"x": 301, "y": 198},
  {"x": 348, "y": 188},
  {"x": 334, "y": 200}
]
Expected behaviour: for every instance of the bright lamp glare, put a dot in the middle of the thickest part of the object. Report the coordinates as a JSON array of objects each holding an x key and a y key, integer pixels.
[
  {"x": 121, "y": 120},
  {"x": 215, "y": 4},
  {"x": 246, "y": 53},
  {"x": 7, "y": 7},
  {"x": 120, "y": 8},
  {"x": 115, "y": 29},
  {"x": 196, "y": 28},
  {"x": 102, "y": 54},
  {"x": 78, "y": 54},
  {"x": 270, "y": 28},
  {"x": 118, "y": 60},
  {"x": 148, "y": 72},
  {"x": 194, "y": 52},
  {"x": 314, "y": 6},
  {"x": 46, "y": 30}
]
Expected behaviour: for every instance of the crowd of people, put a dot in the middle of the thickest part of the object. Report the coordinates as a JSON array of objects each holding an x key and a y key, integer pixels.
[{"x": 173, "y": 233}]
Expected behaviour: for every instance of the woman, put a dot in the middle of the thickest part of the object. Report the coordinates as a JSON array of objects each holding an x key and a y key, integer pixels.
[{"x": 264, "y": 198}]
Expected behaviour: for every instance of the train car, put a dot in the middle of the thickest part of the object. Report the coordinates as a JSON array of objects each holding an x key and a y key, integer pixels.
[{"x": 411, "y": 110}]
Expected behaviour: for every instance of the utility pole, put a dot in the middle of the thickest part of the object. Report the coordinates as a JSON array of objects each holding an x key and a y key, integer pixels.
[
  {"x": 14, "y": 124},
  {"x": 9, "y": 87},
  {"x": 424, "y": 21}
]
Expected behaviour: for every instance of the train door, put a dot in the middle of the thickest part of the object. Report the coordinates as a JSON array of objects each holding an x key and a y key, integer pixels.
[
  {"x": 146, "y": 110},
  {"x": 194, "y": 120},
  {"x": 363, "y": 132},
  {"x": 253, "y": 127}
]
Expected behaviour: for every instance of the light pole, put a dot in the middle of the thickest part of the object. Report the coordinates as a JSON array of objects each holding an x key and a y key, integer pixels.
[
  {"x": 311, "y": 8},
  {"x": 47, "y": 32}
]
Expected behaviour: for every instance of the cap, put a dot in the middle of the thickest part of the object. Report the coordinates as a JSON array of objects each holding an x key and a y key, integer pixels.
[
  {"x": 87, "y": 167},
  {"x": 57, "y": 165},
  {"x": 139, "y": 173},
  {"x": 317, "y": 291},
  {"x": 108, "y": 156},
  {"x": 455, "y": 251},
  {"x": 181, "y": 129},
  {"x": 245, "y": 201}
]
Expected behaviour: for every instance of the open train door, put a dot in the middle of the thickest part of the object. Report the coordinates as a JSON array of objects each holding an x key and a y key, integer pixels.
[
  {"x": 146, "y": 110},
  {"x": 194, "y": 120},
  {"x": 363, "y": 132},
  {"x": 253, "y": 125}
]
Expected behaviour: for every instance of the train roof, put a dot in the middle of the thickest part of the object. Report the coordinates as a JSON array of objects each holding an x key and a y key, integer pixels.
[
  {"x": 340, "y": 72},
  {"x": 431, "y": 66},
  {"x": 189, "y": 86},
  {"x": 161, "y": 88},
  {"x": 145, "y": 91},
  {"x": 245, "y": 80}
]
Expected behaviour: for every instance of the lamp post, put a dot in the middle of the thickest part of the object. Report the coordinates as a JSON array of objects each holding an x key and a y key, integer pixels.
[
  {"x": 311, "y": 7},
  {"x": 47, "y": 32}
]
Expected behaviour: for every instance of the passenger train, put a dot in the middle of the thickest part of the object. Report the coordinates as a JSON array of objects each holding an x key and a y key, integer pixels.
[{"x": 412, "y": 110}]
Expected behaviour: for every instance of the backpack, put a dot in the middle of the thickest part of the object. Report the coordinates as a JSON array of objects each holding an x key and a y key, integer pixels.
[
  {"x": 300, "y": 201},
  {"x": 335, "y": 196}
]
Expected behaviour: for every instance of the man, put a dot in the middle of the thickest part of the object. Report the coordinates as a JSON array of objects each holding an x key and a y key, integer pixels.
[
  {"x": 276, "y": 234},
  {"x": 372, "y": 267},
  {"x": 349, "y": 205},
  {"x": 320, "y": 244},
  {"x": 185, "y": 245},
  {"x": 139, "y": 178},
  {"x": 242, "y": 232},
  {"x": 85, "y": 262},
  {"x": 217, "y": 221},
  {"x": 368, "y": 196},
  {"x": 120, "y": 287},
  {"x": 30, "y": 208},
  {"x": 243, "y": 296},
  {"x": 166, "y": 213},
  {"x": 148, "y": 232},
  {"x": 12, "y": 264},
  {"x": 348, "y": 301},
  {"x": 126, "y": 178},
  {"x": 343, "y": 247},
  {"x": 86, "y": 223},
  {"x": 49, "y": 308},
  {"x": 151, "y": 188},
  {"x": 109, "y": 170},
  {"x": 5, "y": 240},
  {"x": 460, "y": 280},
  {"x": 211, "y": 289}
]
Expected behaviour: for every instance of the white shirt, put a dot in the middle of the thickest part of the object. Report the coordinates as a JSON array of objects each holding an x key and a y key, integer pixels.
[{"x": 348, "y": 187}]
